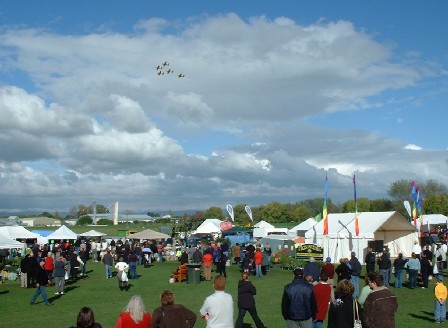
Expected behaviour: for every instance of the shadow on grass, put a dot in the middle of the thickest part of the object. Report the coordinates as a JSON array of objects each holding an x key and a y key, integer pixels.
[
  {"x": 4, "y": 292},
  {"x": 427, "y": 316},
  {"x": 70, "y": 288}
]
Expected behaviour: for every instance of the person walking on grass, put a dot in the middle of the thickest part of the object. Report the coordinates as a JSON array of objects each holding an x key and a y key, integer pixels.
[
  {"x": 41, "y": 281},
  {"x": 246, "y": 302},
  {"x": 217, "y": 309}
]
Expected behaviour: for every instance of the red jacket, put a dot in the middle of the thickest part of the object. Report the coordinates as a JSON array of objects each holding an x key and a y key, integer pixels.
[
  {"x": 258, "y": 257},
  {"x": 49, "y": 263},
  {"x": 125, "y": 321}
]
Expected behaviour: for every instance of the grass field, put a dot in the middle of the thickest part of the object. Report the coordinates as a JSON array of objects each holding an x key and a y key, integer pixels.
[{"x": 107, "y": 301}]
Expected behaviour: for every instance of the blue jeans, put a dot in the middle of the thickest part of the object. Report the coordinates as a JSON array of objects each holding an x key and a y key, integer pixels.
[
  {"x": 385, "y": 274},
  {"x": 318, "y": 324},
  {"x": 108, "y": 270},
  {"x": 398, "y": 278},
  {"x": 440, "y": 311},
  {"x": 413, "y": 278},
  {"x": 133, "y": 270},
  {"x": 355, "y": 281},
  {"x": 258, "y": 272},
  {"x": 40, "y": 290}
]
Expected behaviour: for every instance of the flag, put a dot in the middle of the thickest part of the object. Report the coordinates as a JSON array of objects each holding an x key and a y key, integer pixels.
[
  {"x": 419, "y": 207},
  {"x": 324, "y": 211},
  {"x": 356, "y": 208},
  {"x": 414, "y": 201},
  {"x": 249, "y": 212},
  {"x": 230, "y": 211}
]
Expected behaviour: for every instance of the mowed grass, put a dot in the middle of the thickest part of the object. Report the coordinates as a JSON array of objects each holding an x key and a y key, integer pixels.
[{"x": 107, "y": 301}]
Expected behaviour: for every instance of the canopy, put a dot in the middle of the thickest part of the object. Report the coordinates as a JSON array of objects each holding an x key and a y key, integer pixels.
[
  {"x": 209, "y": 226},
  {"x": 391, "y": 227},
  {"x": 17, "y": 232},
  {"x": 6, "y": 243},
  {"x": 236, "y": 229},
  {"x": 149, "y": 234},
  {"x": 429, "y": 219},
  {"x": 263, "y": 224},
  {"x": 92, "y": 233},
  {"x": 302, "y": 226},
  {"x": 63, "y": 233}
]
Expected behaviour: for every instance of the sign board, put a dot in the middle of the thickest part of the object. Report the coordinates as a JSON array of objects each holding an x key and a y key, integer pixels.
[{"x": 305, "y": 251}]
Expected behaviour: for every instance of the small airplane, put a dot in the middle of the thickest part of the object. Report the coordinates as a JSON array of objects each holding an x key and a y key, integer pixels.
[
  {"x": 169, "y": 71},
  {"x": 160, "y": 73},
  {"x": 166, "y": 64},
  {"x": 181, "y": 75},
  {"x": 158, "y": 67}
]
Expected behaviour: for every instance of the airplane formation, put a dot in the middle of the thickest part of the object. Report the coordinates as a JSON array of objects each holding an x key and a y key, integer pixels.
[{"x": 164, "y": 69}]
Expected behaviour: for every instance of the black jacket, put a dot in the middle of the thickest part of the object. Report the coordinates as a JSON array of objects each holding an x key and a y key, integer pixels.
[
  {"x": 41, "y": 276},
  {"x": 298, "y": 301},
  {"x": 341, "y": 313},
  {"x": 246, "y": 292},
  {"x": 343, "y": 271}
]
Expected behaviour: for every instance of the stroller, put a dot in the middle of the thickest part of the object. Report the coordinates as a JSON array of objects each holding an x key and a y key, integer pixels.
[
  {"x": 147, "y": 257},
  {"x": 123, "y": 279}
]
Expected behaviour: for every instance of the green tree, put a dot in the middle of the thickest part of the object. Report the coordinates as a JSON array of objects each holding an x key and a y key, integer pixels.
[
  {"x": 214, "y": 212},
  {"x": 302, "y": 213},
  {"x": 84, "y": 220},
  {"x": 381, "y": 205},
  {"x": 276, "y": 212},
  {"x": 101, "y": 209},
  {"x": 241, "y": 216},
  {"x": 46, "y": 214},
  {"x": 436, "y": 204},
  {"x": 153, "y": 215},
  {"x": 349, "y": 205},
  {"x": 105, "y": 222}
]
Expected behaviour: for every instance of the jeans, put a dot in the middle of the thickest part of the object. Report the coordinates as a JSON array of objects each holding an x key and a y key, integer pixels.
[
  {"x": 413, "y": 278},
  {"x": 299, "y": 323},
  {"x": 40, "y": 290},
  {"x": 440, "y": 311},
  {"x": 318, "y": 324},
  {"x": 254, "y": 315},
  {"x": 133, "y": 270},
  {"x": 355, "y": 281},
  {"x": 108, "y": 270},
  {"x": 385, "y": 274},
  {"x": 160, "y": 256},
  {"x": 83, "y": 268},
  {"x": 59, "y": 284},
  {"x": 398, "y": 278},
  {"x": 258, "y": 272}
]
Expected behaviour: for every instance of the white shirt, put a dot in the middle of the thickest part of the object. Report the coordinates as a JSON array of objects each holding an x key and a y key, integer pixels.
[
  {"x": 219, "y": 307},
  {"x": 121, "y": 266},
  {"x": 416, "y": 249}
]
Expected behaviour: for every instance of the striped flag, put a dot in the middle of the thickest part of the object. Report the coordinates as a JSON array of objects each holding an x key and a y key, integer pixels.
[
  {"x": 324, "y": 211},
  {"x": 419, "y": 207},
  {"x": 414, "y": 203},
  {"x": 356, "y": 207}
]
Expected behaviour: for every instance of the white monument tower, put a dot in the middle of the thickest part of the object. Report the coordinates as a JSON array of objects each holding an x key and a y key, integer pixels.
[{"x": 116, "y": 213}]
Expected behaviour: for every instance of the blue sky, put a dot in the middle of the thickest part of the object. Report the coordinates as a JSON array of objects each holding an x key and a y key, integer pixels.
[{"x": 275, "y": 96}]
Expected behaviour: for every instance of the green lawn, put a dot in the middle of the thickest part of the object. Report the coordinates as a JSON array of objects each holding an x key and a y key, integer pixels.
[{"x": 107, "y": 301}]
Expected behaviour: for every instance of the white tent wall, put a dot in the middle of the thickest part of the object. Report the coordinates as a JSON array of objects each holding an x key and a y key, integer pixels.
[{"x": 391, "y": 227}]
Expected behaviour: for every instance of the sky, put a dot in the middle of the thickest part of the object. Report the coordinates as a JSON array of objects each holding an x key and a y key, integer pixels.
[{"x": 273, "y": 97}]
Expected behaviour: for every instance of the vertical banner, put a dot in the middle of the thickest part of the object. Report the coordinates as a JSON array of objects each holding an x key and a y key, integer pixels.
[
  {"x": 356, "y": 207},
  {"x": 249, "y": 212},
  {"x": 324, "y": 211},
  {"x": 419, "y": 207},
  {"x": 230, "y": 211},
  {"x": 414, "y": 201}
]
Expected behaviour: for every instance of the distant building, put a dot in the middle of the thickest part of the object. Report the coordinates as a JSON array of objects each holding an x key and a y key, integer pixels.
[
  {"x": 10, "y": 221},
  {"x": 41, "y": 221}
]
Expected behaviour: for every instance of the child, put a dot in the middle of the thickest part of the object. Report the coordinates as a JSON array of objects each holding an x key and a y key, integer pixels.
[{"x": 440, "y": 292}]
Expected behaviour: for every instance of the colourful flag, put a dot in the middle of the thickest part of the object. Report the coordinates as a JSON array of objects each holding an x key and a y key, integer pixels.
[
  {"x": 419, "y": 207},
  {"x": 324, "y": 211},
  {"x": 356, "y": 208},
  {"x": 414, "y": 201}
]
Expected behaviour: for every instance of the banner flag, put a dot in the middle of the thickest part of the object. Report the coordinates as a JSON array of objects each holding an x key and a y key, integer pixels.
[
  {"x": 414, "y": 201},
  {"x": 356, "y": 208},
  {"x": 230, "y": 210},
  {"x": 249, "y": 212},
  {"x": 324, "y": 211}
]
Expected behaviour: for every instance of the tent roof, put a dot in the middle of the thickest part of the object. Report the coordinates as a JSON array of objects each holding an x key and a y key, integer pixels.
[
  {"x": 149, "y": 234},
  {"x": 343, "y": 224},
  {"x": 209, "y": 226},
  {"x": 6, "y": 242},
  {"x": 92, "y": 233},
  {"x": 305, "y": 225},
  {"x": 237, "y": 229},
  {"x": 63, "y": 233},
  {"x": 17, "y": 232},
  {"x": 263, "y": 224}
]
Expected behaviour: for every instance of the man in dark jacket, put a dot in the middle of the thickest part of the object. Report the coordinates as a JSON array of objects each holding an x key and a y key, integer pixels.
[
  {"x": 31, "y": 267},
  {"x": 299, "y": 305},
  {"x": 312, "y": 269},
  {"x": 381, "y": 304},
  {"x": 356, "y": 271},
  {"x": 41, "y": 281},
  {"x": 246, "y": 302},
  {"x": 370, "y": 261}
]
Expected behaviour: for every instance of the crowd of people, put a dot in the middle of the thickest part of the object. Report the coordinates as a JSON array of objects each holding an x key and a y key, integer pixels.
[{"x": 308, "y": 301}]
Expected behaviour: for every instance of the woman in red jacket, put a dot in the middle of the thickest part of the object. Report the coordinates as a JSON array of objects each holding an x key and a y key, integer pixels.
[
  {"x": 49, "y": 266},
  {"x": 258, "y": 258}
]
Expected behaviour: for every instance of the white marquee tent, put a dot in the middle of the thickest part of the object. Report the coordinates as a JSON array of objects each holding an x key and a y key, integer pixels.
[
  {"x": 17, "y": 232},
  {"x": 301, "y": 228},
  {"x": 7, "y": 243},
  {"x": 92, "y": 233},
  {"x": 209, "y": 226},
  {"x": 393, "y": 228},
  {"x": 432, "y": 219},
  {"x": 62, "y": 233}
]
